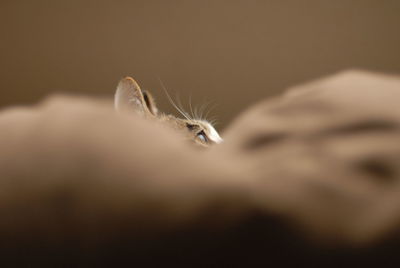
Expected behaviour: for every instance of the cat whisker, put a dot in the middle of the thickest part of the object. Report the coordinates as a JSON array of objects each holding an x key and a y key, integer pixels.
[
  {"x": 190, "y": 105},
  {"x": 209, "y": 110},
  {"x": 171, "y": 101},
  {"x": 196, "y": 112},
  {"x": 213, "y": 121},
  {"x": 201, "y": 110},
  {"x": 181, "y": 106}
]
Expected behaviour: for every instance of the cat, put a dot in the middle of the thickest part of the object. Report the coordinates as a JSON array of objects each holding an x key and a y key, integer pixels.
[{"x": 130, "y": 97}]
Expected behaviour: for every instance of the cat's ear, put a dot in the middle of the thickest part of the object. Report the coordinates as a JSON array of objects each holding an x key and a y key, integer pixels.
[
  {"x": 150, "y": 102},
  {"x": 129, "y": 97}
]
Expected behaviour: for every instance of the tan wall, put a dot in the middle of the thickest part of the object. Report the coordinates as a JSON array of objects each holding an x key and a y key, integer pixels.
[{"x": 231, "y": 52}]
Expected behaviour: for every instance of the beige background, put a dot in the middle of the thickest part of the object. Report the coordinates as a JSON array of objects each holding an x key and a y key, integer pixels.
[{"x": 230, "y": 52}]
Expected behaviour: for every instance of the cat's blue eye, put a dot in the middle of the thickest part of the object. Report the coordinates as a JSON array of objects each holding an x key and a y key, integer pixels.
[{"x": 202, "y": 136}]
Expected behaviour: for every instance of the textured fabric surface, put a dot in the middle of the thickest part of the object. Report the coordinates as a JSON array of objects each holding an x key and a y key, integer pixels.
[{"x": 309, "y": 177}]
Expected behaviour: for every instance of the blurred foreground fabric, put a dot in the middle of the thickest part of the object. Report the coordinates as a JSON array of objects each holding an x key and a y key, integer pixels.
[{"x": 311, "y": 177}]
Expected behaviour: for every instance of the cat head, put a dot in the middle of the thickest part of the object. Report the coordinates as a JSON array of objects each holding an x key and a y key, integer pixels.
[{"x": 129, "y": 97}]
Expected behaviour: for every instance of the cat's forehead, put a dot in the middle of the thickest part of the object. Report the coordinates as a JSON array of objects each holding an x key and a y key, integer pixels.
[
  {"x": 210, "y": 130},
  {"x": 213, "y": 134}
]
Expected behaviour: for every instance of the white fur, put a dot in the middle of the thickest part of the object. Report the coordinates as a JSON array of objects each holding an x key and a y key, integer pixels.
[{"x": 213, "y": 134}]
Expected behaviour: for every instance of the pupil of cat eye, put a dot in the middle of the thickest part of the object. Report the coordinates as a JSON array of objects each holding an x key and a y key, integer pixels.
[{"x": 202, "y": 136}]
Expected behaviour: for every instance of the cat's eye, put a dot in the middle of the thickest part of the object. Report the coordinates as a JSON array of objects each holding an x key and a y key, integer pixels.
[{"x": 202, "y": 136}]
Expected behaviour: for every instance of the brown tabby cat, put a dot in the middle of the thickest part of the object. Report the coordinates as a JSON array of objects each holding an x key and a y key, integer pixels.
[{"x": 129, "y": 97}]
